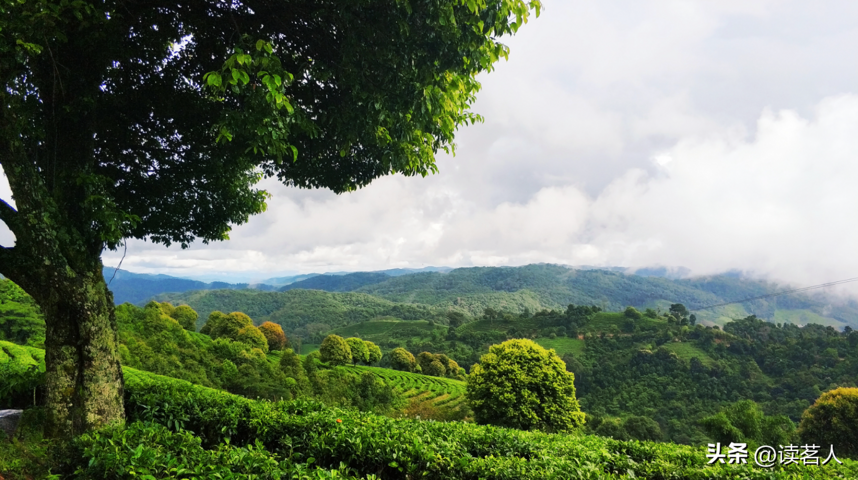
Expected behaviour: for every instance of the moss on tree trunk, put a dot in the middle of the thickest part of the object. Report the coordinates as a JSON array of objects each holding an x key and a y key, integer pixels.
[{"x": 83, "y": 382}]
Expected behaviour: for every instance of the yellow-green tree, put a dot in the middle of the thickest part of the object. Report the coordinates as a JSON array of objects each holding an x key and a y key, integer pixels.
[
  {"x": 335, "y": 350},
  {"x": 374, "y": 351},
  {"x": 360, "y": 352},
  {"x": 833, "y": 420},
  {"x": 186, "y": 316},
  {"x": 274, "y": 335},
  {"x": 519, "y": 384},
  {"x": 402, "y": 359}
]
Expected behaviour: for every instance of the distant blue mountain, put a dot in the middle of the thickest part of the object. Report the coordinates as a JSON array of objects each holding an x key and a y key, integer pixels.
[{"x": 140, "y": 287}]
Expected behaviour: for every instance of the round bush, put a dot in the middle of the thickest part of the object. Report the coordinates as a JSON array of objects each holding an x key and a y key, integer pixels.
[
  {"x": 335, "y": 351},
  {"x": 186, "y": 316},
  {"x": 519, "y": 384},
  {"x": 274, "y": 335},
  {"x": 833, "y": 420}
]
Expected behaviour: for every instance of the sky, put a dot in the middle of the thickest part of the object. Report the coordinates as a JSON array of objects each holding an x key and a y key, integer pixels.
[{"x": 712, "y": 136}]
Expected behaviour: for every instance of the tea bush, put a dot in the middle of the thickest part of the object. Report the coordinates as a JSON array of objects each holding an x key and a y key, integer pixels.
[
  {"x": 206, "y": 433},
  {"x": 394, "y": 448}
]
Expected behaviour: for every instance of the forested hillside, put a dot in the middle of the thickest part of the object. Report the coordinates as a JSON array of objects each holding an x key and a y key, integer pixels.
[
  {"x": 530, "y": 288},
  {"x": 301, "y": 312},
  {"x": 139, "y": 288}
]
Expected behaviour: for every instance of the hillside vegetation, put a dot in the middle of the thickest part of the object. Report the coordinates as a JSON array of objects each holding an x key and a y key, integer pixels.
[
  {"x": 176, "y": 429},
  {"x": 532, "y": 288}
]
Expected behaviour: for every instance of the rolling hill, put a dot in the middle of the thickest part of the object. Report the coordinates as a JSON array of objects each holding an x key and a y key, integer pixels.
[{"x": 528, "y": 288}]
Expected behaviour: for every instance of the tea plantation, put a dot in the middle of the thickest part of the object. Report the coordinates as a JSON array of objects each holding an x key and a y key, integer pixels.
[
  {"x": 440, "y": 391},
  {"x": 179, "y": 430}
]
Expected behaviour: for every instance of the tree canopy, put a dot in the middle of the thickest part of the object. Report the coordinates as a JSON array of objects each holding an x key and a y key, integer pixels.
[
  {"x": 156, "y": 120},
  {"x": 519, "y": 384}
]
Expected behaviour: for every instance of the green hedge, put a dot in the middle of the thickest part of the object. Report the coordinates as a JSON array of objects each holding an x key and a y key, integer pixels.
[
  {"x": 211, "y": 432},
  {"x": 391, "y": 448}
]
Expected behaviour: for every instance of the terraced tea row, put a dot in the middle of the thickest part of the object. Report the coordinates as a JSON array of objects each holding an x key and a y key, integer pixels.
[{"x": 443, "y": 391}]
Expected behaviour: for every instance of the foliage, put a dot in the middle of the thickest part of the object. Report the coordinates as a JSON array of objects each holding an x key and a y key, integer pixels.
[
  {"x": 189, "y": 427},
  {"x": 833, "y": 420},
  {"x": 402, "y": 359},
  {"x": 186, "y": 316},
  {"x": 335, "y": 350},
  {"x": 359, "y": 350},
  {"x": 155, "y": 342},
  {"x": 273, "y": 335},
  {"x": 745, "y": 422},
  {"x": 391, "y": 448},
  {"x": 374, "y": 352},
  {"x": 521, "y": 385},
  {"x": 21, "y": 320}
]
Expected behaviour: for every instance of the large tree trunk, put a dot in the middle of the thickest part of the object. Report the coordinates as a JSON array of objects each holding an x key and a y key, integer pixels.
[{"x": 83, "y": 381}]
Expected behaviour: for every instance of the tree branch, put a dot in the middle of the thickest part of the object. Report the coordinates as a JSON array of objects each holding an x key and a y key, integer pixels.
[{"x": 9, "y": 216}]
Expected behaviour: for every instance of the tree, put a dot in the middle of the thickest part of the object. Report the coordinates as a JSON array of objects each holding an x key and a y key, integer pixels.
[
  {"x": 155, "y": 120},
  {"x": 290, "y": 364},
  {"x": 186, "y": 316},
  {"x": 335, "y": 350},
  {"x": 228, "y": 326},
  {"x": 402, "y": 359},
  {"x": 374, "y": 352},
  {"x": 214, "y": 318},
  {"x": 745, "y": 422},
  {"x": 519, "y": 384},
  {"x": 360, "y": 352},
  {"x": 833, "y": 420},
  {"x": 253, "y": 337},
  {"x": 274, "y": 335},
  {"x": 642, "y": 428}
]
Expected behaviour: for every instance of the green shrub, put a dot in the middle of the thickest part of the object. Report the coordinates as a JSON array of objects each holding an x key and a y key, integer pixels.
[
  {"x": 402, "y": 359},
  {"x": 335, "y": 350},
  {"x": 519, "y": 384},
  {"x": 359, "y": 350},
  {"x": 274, "y": 335},
  {"x": 833, "y": 420},
  {"x": 186, "y": 316}
]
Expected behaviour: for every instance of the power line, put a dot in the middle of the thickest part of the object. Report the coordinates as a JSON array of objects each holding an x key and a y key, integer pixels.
[{"x": 777, "y": 294}]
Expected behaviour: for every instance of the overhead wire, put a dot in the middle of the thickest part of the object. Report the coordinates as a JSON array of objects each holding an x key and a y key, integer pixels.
[{"x": 777, "y": 294}]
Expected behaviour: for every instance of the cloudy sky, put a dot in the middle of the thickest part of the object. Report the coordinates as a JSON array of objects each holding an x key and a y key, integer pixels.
[{"x": 708, "y": 135}]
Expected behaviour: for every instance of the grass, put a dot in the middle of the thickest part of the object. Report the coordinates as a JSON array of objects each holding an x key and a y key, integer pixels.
[
  {"x": 563, "y": 345},
  {"x": 687, "y": 351},
  {"x": 384, "y": 328},
  {"x": 445, "y": 391}
]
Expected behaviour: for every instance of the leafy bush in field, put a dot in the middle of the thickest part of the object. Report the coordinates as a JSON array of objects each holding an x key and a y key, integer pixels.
[
  {"x": 150, "y": 450},
  {"x": 402, "y": 359},
  {"x": 394, "y": 449},
  {"x": 186, "y": 316},
  {"x": 522, "y": 385},
  {"x": 22, "y": 373},
  {"x": 833, "y": 420},
  {"x": 374, "y": 352},
  {"x": 745, "y": 422},
  {"x": 359, "y": 349},
  {"x": 274, "y": 335},
  {"x": 335, "y": 350},
  {"x": 195, "y": 423}
]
